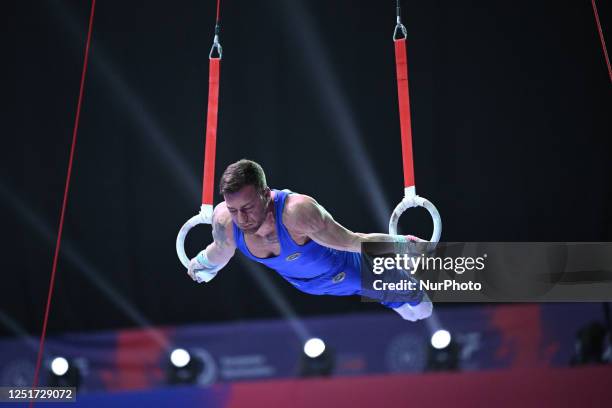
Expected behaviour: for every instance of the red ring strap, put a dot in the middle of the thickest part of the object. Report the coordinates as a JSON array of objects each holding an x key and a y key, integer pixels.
[
  {"x": 214, "y": 68},
  {"x": 401, "y": 65},
  {"x": 208, "y": 183}
]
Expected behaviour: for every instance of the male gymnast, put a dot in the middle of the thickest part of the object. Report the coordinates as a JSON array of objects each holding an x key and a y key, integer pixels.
[{"x": 294, "y": 235}]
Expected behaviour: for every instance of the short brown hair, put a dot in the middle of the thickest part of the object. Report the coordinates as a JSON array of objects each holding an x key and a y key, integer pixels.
[{"x": 242, "y": 173}]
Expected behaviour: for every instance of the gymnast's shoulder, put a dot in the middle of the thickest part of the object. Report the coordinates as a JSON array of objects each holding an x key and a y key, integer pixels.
[
  {"x": 221, "y": 215},
  {"x": 300, "y": 209}
]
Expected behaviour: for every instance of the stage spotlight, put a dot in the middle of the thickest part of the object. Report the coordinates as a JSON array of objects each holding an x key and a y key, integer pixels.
[
  {"x": 63, "y": 373},
  {"x": 592, "y": 345},
  {"x": 183, "y": 368},
  {"x": 314, "y": 347},
  {"x": 440, "y": 339},
  {"x": 180, "y": 358},
  {"x": 59, "y": 366},
  {"x": 443, "y": 352},
  {"x": 317, "y": 359}
]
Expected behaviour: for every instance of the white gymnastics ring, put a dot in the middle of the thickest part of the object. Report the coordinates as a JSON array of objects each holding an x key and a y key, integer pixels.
[
  {"x": 204, "y": 217},
  {"x": 411, "y": 200}
]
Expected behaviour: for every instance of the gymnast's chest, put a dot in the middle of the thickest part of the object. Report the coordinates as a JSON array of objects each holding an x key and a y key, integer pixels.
[{"x": 268, "y": 246}]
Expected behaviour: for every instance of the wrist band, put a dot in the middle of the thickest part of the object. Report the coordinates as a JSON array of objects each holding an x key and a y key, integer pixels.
[{"x": 202, "y": 259}]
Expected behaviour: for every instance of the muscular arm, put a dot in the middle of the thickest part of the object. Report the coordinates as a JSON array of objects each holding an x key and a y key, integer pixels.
[
  {"x": 308, "y": 217},
  {"x": 223, "y": 247},
  {"x": 218, "y": 253}
]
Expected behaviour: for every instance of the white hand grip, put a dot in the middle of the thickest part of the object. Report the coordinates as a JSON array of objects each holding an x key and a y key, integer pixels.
[
  {"x": 204, "y": 217},
  {"x": 413, "y": 200}
]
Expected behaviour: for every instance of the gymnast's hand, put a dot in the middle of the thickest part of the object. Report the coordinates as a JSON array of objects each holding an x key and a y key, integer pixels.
[
  {"x": 200, "y": 269},
  {"x": 208, "y": 262},
  {"x": 193, "y": 266}
]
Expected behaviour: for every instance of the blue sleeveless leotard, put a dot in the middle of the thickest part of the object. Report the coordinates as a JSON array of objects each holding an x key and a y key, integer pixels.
[{"x": 312, "y": 268}]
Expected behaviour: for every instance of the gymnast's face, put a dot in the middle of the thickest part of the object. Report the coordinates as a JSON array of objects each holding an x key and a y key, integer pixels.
[{"x": 248, "y": 208}]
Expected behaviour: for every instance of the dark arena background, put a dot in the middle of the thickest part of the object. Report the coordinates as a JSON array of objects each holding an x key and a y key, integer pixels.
[{"x": 512, "y": 139}]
